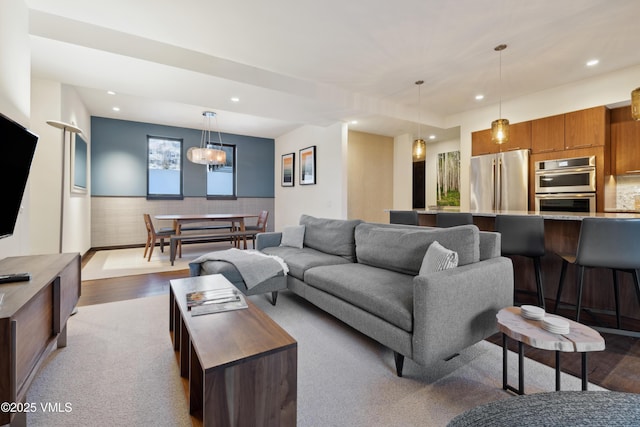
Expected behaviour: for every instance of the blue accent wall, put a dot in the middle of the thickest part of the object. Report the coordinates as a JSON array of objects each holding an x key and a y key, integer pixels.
[{"x": 119, "y": 159}]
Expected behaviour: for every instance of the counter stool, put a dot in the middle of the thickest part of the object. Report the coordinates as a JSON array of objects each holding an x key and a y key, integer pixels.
[
  {"x": 451, "y": 219},
  {"x": 605, "y": 243},
  {"x": 524, "y": 235},
  {"x": 403, "y": 217}
]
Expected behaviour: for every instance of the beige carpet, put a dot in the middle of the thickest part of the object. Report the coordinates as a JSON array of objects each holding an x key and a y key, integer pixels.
[
  {"x": 126, "y": 262},
  {"x": 119, "y": 369}
]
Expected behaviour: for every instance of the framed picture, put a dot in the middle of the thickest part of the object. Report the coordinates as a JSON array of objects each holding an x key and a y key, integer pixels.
[
  {"x": 308, "y": 165},
  {"x": 78, "y": 165},
  {"x": 288, "y": 169},
  {"x": 448, "y": 179}
]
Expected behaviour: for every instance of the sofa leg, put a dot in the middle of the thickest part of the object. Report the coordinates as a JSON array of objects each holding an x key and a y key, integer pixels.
[
  {"x": 399, "y": 363},
  {"x": 274, "y": 297}
]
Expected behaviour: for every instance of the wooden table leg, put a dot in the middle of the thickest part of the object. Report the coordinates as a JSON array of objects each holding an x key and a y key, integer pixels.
[
  {"x": 244, "y": 237},
  {"x": 177, "y": 226}
]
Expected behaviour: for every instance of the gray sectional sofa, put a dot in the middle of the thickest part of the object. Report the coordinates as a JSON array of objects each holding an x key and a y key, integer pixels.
[{"x": 367, "y": 275}]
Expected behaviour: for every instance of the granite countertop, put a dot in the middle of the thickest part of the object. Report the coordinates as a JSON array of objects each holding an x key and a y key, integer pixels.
[{"x": 570, "y": 216}]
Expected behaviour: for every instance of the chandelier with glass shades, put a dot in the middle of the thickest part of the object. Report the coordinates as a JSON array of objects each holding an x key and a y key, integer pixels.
[{"x": 208, "y": 153}]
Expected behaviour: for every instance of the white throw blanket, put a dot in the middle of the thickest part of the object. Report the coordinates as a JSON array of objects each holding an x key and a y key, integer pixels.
[{"x": 254, "y": 266}]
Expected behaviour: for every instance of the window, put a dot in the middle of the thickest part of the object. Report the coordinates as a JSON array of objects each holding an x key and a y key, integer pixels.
[
  {"x": 221, "y": 181},
  {"x": 164, "y": 168}
]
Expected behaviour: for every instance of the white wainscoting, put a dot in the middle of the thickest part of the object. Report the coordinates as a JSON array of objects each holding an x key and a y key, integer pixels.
[{"x": 118, "y": 221}]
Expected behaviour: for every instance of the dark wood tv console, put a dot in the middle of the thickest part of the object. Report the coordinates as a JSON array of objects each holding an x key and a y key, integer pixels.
[{"x": 33, "y": 320}]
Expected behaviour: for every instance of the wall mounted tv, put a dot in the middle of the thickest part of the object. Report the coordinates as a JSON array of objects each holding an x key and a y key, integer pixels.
[{"x": 18, "y": 145}]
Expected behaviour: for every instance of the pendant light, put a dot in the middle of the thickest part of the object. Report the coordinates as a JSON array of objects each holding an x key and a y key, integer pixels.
[
  {"x": 500, "y": 127},
  {"x": 635, "y": 104},
  {"x": 419, "y": 146},
  {"x": 207, "y": 153}
]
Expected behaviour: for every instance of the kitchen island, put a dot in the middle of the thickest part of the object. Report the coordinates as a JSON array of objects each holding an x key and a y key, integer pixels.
[{"x": 562, "y": 230}]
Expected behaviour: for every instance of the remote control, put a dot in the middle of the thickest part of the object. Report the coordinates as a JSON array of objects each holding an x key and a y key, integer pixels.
[{"x": 15, "y": 277}]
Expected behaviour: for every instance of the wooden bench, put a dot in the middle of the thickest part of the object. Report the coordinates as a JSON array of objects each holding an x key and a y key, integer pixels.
[
  {"x": 211, "y": 237},
  {"x": 206, "y": 227}
]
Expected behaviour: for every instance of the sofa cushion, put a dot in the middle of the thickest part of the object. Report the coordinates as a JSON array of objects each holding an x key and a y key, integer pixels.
[
  {"x": 383, "y": 293},
  {"x": 402, "y": 248},
  {"x": 293, "y": 236},
  {"x": 332, "y": 236},
  {"x": 438, "y": 258},
  {"x": 300, "y": 260}
]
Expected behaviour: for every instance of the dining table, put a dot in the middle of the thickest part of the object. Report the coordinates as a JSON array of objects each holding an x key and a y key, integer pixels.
[{"x": 237, "y": 220}]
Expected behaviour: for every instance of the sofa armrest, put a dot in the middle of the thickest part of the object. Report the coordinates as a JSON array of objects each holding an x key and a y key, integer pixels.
[
  {"x": 490, "y": 245},
  {"x": 268, "y": 239},
  {"x": 194, "y": 269},
  {"x": 456, "y": 308}
]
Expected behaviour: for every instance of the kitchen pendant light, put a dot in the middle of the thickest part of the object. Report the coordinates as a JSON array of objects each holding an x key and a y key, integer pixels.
[
  {"x": 635, "y": 104},
  {"x": 419, "y": 146},
  {"x": 500, "y": 127},
  {"x": 207, "y": 153}
]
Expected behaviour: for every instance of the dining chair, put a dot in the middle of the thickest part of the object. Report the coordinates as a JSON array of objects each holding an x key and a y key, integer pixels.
[
  {"x": 523, "y": 235},
  {"x": 606, "y": 243},
  {"x": 452, "y": 219},
  {"x": 403, "y": 217},
  {"x": 153, "y": 236},
  {"x": 261, "y": 225}
]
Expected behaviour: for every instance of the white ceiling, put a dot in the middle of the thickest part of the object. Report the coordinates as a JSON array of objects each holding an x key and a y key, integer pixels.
[{"x": 297, "y": 62}]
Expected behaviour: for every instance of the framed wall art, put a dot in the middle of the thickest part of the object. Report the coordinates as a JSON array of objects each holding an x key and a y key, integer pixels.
[
  {"x": 288, "y": 167},
  {"x": 79, "y": 165},
  {"x": 308, "y": 165}
]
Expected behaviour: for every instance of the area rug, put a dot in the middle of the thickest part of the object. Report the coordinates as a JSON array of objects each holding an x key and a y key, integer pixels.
[
  {"x": 105, "y": 264},
  {"x": 119, "y": 368}
]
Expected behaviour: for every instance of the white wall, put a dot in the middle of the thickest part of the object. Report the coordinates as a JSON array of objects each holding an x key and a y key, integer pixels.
[
  {"x": 77, "y": 210},
  {"x": 54, "y": 101},
  {"x": 44, "y": 221},
  {"x": 402, "y": 172},
  {"x": 328, "y": 197},
  {"x": 15, "y": 71}
]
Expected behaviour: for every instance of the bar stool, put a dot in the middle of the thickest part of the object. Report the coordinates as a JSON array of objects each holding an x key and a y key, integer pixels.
[
  {"x": 605, "y": 243},
  {"x": 524, "y": 235},
  {"x": 403, "y": 217},
  {"x": 451, "y": 219}
]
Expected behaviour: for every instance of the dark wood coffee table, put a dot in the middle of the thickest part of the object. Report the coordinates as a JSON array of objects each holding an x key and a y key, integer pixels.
[{"x": 241, "y": 367}]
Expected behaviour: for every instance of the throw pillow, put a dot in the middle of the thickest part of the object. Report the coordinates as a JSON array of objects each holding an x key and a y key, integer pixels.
[
  {"x": 293, "y": 236},
  {"x": 438, "y": 258}
]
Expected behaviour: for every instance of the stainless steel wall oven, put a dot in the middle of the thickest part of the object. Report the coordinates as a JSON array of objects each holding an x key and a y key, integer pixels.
[{"x": 566, "y": 185}]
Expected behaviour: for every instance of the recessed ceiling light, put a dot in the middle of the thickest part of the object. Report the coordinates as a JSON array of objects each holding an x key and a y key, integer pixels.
[
  {"x": 110, "y": 92},
  {"x": 479, "y": 97},
  {"x": 354, "y": 122},
  {"x": 235, "y": 99},
  {"x": 432, "y": 137},
  {"x": 593, "y": 62},
  {"x": 116, "y": 108}
]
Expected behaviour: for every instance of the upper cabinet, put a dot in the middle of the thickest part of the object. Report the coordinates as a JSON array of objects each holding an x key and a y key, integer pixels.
[
  {"x": 586, "y": 128},
  {"x": 519, "y": 139},
  {"x": 547, "y": 134},
  {"x": 481, "y": 143},
  {"x": 625, "y": 142}
]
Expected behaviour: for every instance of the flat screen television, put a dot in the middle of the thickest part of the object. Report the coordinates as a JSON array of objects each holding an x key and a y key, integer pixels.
[{"x": 19, "y": 145}]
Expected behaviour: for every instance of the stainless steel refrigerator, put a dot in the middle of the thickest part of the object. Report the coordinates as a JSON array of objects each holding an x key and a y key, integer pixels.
[{"x": 500, "y": 181}]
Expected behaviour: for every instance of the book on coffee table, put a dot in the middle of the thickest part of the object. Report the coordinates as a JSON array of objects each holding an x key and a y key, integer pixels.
[{"x": 215, "y": 301}]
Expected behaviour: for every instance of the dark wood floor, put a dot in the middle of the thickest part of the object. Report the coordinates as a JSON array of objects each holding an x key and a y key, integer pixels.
[{"x": 616, "y": 368}]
